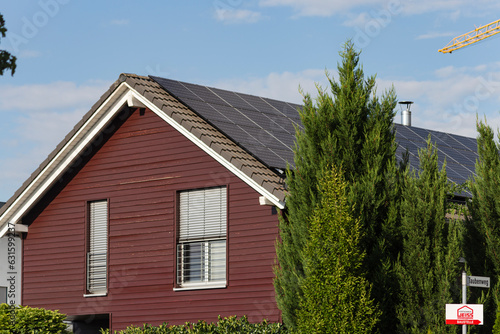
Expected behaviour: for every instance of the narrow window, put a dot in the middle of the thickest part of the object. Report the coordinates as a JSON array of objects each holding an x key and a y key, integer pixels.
[
  {"x": 201, "y": 247},
  {"x": 97, "y": 248}
]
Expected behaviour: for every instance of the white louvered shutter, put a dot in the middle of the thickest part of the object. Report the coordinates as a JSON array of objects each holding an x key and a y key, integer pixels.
[
  {"x": 201, "y": 251},
  {"x": 98, "y": 247},
  {"x": 202, "y": 214}
]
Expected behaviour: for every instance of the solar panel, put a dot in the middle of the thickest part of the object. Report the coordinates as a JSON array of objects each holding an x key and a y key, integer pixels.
[
  {"x": 176, "y": 88},
  {"x": 231, "y": 98},
  {"x": 264, "y": 121},
  {"x": 459, "y": 159},
  {"x": 210, "y": 112},
  {"x": 266, "y": 128},
  {"x": 206, "y": 95},
  {"x": 285, "y": 109}
]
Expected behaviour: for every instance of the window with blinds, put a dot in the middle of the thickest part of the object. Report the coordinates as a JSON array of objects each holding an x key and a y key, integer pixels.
[
  {"x": 97, "y": 248},
  {"x": 201, "y": 247}
]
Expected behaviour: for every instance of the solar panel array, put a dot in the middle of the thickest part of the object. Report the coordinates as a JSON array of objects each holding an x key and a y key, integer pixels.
[
  {"x": 460, "y": 152},
  {"x": 263, "y": 127},
  {"x": 266, "y": 128}
]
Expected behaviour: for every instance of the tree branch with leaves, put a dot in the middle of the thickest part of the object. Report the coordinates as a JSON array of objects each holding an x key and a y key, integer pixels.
[{"x": 7, "y": 61}]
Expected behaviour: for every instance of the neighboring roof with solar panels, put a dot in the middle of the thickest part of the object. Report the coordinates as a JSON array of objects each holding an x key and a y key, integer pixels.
[
  {"x": 1, "y": 204},
  {"x": 251, "y": 136},
  {"x": 460, "y": 152},
  {"x": 265, "y": 128}
]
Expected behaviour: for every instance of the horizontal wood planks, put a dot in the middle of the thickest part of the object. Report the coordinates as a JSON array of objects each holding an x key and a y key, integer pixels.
[{"x": 139, "y": 170}]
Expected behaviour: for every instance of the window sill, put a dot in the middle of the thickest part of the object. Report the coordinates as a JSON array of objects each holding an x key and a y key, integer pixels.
[
  {"x": 103, "y": 294},
  {"x": 218, "y": 285}
]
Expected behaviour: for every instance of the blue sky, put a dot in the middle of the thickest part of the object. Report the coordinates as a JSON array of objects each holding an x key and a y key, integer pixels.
[{"x": 70, "y": 51}]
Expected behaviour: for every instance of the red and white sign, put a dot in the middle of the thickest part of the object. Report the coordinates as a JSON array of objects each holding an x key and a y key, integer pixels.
[{"x": 464, "y": 314}]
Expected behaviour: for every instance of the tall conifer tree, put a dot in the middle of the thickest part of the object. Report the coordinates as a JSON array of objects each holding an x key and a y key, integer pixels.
[
  {"x": 485, "y": 218},
  {"x": 336, "y": 294},
  {"x": 428, "y": 267},
  {"x": 485, "y": 206},
  {"x": 351, "y": 128}
]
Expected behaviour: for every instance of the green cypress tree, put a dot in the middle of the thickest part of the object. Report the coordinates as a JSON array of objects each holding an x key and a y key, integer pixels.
[
  {"x": 336, "y": 296},
  {"x": 485, "y": 206},
  {"x": 484, "y": 254},
  {"x": 428, "y": 266},
  {"x": 351, "y": 128}
]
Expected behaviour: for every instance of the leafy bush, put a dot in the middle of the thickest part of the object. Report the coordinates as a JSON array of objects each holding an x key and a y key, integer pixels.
[
  {"x": 223, "y": 326},
  {"x": 24, "y": 319}
]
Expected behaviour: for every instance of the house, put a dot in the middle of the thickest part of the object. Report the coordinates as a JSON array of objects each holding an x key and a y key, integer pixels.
[{"x": 161, "y": 205}]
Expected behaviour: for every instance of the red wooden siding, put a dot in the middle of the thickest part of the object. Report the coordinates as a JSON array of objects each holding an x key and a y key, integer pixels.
[{"x": 139, "y": 170}]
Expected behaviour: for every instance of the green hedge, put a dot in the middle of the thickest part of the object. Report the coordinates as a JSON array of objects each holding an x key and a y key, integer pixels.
[
  {"x": 28, "y": 320},
  {"x": 223, "y": 326}
]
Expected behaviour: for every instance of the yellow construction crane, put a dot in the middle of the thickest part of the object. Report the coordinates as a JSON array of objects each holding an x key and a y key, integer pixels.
[{"x": 473, "y": 36}]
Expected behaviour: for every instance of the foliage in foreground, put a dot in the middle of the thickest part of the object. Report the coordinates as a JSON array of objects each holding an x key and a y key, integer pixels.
[
  {"x": 351, "y": 128},
  {"x": 484, "y": 257},
  {"x": 336, "y": 294},
  {"x": 223, "y": 326},
  {"x": 24, "y": 320},
  {"x": 428, "y": 267}
]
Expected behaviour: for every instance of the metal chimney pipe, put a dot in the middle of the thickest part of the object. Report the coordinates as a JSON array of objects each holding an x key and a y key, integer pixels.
[{"x": 406, "y": 114}]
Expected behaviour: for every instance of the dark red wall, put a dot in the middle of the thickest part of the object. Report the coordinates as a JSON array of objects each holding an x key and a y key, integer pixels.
[{"x": 140, "y": 169}]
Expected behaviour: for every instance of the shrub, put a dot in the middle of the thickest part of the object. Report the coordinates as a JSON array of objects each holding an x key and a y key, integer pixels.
[
  {"x": 24, "y": 319},
  {"x": 223, "y": 326}
]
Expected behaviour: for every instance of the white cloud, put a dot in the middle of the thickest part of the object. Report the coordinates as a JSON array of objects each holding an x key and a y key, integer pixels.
[
  {"x": 332, "y": 7},
  {"x": 56, "y": 95},
  {"x": 232, "y": 16},
  {"x": 435, "y": 34},
  {"x": 451, "y": 101},
  {"x": 48, "y": 128},
  {"x": 281, "y": 86},
  {"x": 359, "y": 20},
  {"x": 426, "y": 6},
  {"x": 37, "y": 134},
  {"x": 319, "y": 7},
  {"x": 39, "y": 116}
]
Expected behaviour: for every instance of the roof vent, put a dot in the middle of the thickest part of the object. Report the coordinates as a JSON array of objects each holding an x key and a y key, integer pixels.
[{"x": 406, "y": 114}]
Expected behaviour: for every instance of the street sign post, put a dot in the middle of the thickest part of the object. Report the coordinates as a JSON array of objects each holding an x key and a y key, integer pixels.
[
  {"x": 467, "y": 314},
  {"x": 478, "y": 281}
]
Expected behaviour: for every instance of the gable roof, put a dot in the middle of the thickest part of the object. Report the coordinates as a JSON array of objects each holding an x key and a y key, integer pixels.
[
  {"x": 140, "y": 92},
  {"x": 251, "y": 136}
]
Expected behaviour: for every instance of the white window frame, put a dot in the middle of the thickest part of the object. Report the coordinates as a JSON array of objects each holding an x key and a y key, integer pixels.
[
  {"x": 97, "y": 249},
  {"x": 202, "y": 230}
]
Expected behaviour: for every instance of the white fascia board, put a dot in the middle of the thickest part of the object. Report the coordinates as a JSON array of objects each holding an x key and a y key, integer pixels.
[
  {"x": 4, "y": 230},
  {"x": 236, "y": 171},
  {"x": 132, "y": 101},
  {"x": 21, "y": 228},
  {"x": 64, "y": 157}
]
